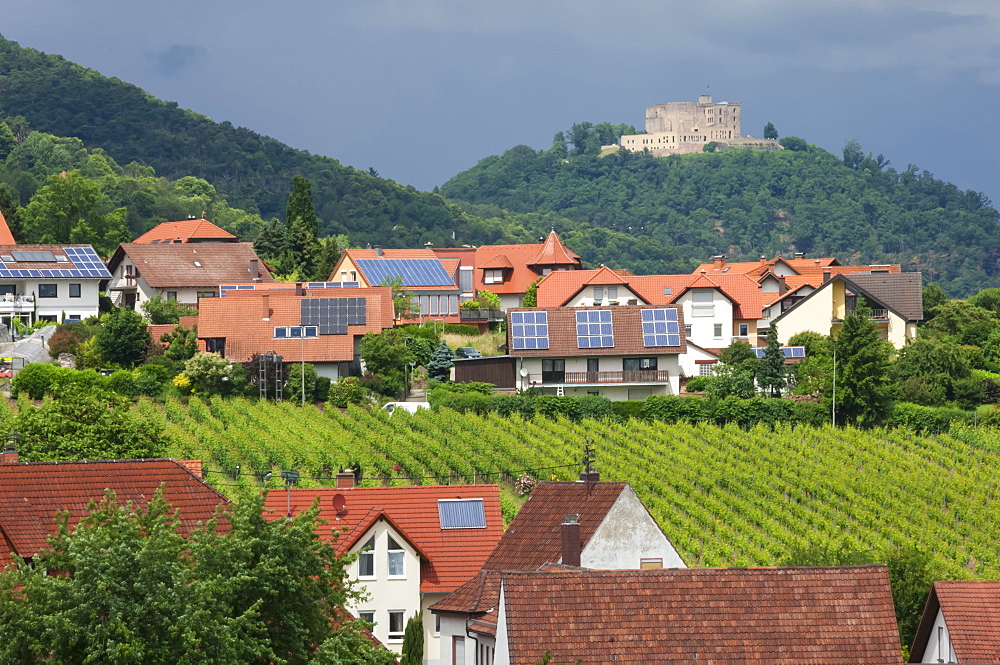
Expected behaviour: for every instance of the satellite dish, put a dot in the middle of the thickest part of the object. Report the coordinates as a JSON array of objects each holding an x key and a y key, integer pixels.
[
  {"x": 524, "y": 373},
  {"x": 339, "y": 502}
]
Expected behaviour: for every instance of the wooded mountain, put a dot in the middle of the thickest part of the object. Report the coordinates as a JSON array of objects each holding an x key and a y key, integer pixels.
[{"x": 747, "y": 203}]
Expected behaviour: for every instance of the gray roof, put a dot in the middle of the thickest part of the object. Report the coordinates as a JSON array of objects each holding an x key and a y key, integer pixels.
[{"x": 901, "y": 291}]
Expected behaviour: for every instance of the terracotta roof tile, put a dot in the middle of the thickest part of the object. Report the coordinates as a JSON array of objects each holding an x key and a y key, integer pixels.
[
  {"x": 166, "y": 265},
  {"x": 452, "y": 556},
  {"x": 6, "y": 237},
  {"x": 188, "y": 230},
  {"x": 793, "y": 616},
  {"x": 356, "y": 254},
  {"x": 497, "y": 261},
  {"x": 971, "y": 611},
  {"x": 32, "y": 493},
  {"x": 553, "y": 253},
  {"x": 626, "y": 322},
  {"x": 239, "y": 318}
]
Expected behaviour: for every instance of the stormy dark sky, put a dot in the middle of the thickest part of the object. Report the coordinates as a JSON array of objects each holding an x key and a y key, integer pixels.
[{"x": 421, "y": 90}]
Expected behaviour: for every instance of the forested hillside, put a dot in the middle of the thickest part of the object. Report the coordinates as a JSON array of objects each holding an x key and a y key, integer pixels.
[
  {"x": 254, "y": 172},
  {"x": 747, "y": 203}
]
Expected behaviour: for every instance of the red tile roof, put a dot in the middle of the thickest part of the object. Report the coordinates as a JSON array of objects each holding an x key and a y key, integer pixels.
[
  {"x": 535, "y": 535},
  {"x": 451, "y": 556},
  {"x": 6, "y": 237},
  {"x": 971, "y": 611},
  {"x": 240, "y": 318},
  {"x": 164, "y": 266},
  {"x": 626, "y": 321},
  {"x": 553, "y": 253},
  {"x": 188, "y": 230},
  {"x": 792, "y": 616},
  {"x": 32, "y": 493}
]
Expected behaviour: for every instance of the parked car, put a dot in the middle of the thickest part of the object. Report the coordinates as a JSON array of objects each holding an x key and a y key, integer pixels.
[
  {"x": 467, "y": 352},
  {"x": 411, "y": 407}
]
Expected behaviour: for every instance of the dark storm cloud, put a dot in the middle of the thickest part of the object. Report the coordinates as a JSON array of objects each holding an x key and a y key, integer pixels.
[{"x": 176, "y": 58}]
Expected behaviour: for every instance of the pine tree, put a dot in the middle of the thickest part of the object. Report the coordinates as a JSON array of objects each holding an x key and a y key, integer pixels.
[
  {"x": 771, "y": 369},
  {"x": 300, "y": 205},
  {"x": 413, "y": 641},
  {"x": 441, "y": 362},
  {"x": 863, "y": 388},
  {"x": 302, "y": 229},
  {"x": 770, "y": 132}
]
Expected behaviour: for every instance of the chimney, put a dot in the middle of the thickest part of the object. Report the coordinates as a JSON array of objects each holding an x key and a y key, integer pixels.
[
  {"x": 763, "y": 259},
  {"x": 571, "y": 540},
  {"x": 800, "y": 255},
  {"x": 9, "y": 454},
  {"x": 265, "y": 300},
  {"x": 378, "y": 251},
  {"x": 826, "y": 275},
  {"x": 255, "y": 270},
  {"x": 590, "y": 476},
  {"x": 428, "y": 245},
  {"x": 345, "y": 480},
  {"x": 719, "y": 260},
  {"x": 782, "y": 286}
]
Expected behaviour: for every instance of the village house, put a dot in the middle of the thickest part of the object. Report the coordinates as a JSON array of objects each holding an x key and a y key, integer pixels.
[
  {"x": 414, "y": 545},
  {"x": 186, "y": 231},
  {"x": 320, "y": 323},
  {"x": 588, "y": 523},
  {"x": 793, "y": 616},
  {"x": 31, "y": 494},
  {"x": 960, "y": 624}
]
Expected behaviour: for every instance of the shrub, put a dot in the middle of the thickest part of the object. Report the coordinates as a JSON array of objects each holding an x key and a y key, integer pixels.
[
  {"x": 926, "y": 418},
  {"x": 321, "y": 392},
  {"x": 480, "y": 387},
  {"x": 670, "y": 408},
  {"x": 594, "y": 406},
  {"x": 34, "y": 380},
  {"x": 466, "y": 329},
  {"x": 123, "y": 383},
  {"x": 698, "y": 384},
  {"x": 552, "y": 406},
  {"x": 69, "y": 336},
  {"x": 461, "y": 402},
  {"x": 628, "y": 409},
  {"x": 508, "y": 405},
  {"x": 810, "y": 413},
  {"x": 149, "y": 382},
  {"x": 347, "y": 390}
]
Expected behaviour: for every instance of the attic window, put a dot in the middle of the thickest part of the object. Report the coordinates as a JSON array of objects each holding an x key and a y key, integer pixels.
[
  {"x": 7, "y": 257},
  {"x": 61, "y": 259},
  {"x": 197, "y": 264},
  {"x": 668, "y": 291},
  {"x": 462, "y": 513}
]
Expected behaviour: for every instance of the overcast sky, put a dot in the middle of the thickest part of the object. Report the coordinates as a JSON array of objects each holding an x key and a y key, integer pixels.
[{"x": 422, "y": 89}]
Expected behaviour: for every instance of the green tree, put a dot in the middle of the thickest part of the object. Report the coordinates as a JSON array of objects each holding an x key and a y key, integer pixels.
[
  {"x": 211, "y": 373},
  {"x": 160, "y": 310},
  {"x": 794, "y": 143},
  {"x": 864, "y": 387},
  {"x": 933, "y": 297},
  {"x": 771, "y": 368},
  {"x": 735, "y": 374},
  {"x": 387, "y": 355},
  {"x": 770, "y": 132},
  {"x": 34, "y": 380},
  {"x": 402, "y": 299},
  {"x": 413, "y": 641},
  {"x": 439, "y": 367},
  {"x": 7, "y": 140},
  {"x": 964, "y": 321},
  {"x": 130, "y": 589},
  {"x": 74, "y": 423},
  {"x": 182, "y": 343},
  {"x": 11, "y": 211},
  {"x": 930, "y": 371},
  {"x": 711, "y": 146},
  {"x": 294, "y": 383},
  {"x": 68, "y": 209},
  {"x": 531, "y": 294},
  {"x": 122, "y": 338}
]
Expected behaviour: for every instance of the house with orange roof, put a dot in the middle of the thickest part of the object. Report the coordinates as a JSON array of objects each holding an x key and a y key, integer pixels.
[
  {"x": 430, "y": 281},
  {"x": 587, "y": 523},
  {"x": 414, "y": 545},
  {"x": 960, "y": 624},
  {"x": 31, "y": 494},
  {"x": 186, "y": 272},
  {"x": 313, "y": 323},
  {"x": 186, "y": 231},
  {"x": 508, "y": 270},
  {"x": 751, "y": 616}
]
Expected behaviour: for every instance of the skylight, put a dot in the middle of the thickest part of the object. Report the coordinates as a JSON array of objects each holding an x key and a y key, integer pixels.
[{"x": 462, "y": 513}]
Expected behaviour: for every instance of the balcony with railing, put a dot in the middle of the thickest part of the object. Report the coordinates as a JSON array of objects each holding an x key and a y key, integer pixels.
[
  {"x": 480, "y": 315},
  {"x": 14, "y": 303},
  {"x": 600, "y": 378},
  {"x": 873, "y": 314}
]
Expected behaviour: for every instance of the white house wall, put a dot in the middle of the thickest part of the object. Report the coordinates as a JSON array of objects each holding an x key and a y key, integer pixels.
[
  {"x": 532, "y": 366},
  {"x": 386, "y": 594},
  {"x": 703, "y": 327},
  {"x": 585, "y": 298},
  {"x": 939, "y": 647},
  {"x": 502, "y": 654},
  {"x": 628, "y": 535},
  {"x": 814, "y": 315},
  {"x": 688, "y": 361},
  {"x": 85, "y": 306}
]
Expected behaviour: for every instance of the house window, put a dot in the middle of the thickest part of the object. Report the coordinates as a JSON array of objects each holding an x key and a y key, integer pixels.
[
  {"x": 635, "y": 364},
  {"x": 366, "y": 560},
  {"x": 718, "y": 330},
  {"x": 343, "y": 275},
  {"x": 702, "y": 302},
  {"x": 396, "y": 560},
  {"x": 705, "y": 370},
  {"x": 744, "y": 330},
  {"x": 396, "y": 626},
  {"x": 687, "y": 329},
  {"x": 612, "y": 293},
  {"x": 647, "y": 564},
  {"x": 493, "y": 276},
  {"x": 48, "y": 290},
  {"x": 553, "y": 370},
  {"x": 216, "y": 345},
  {"x": 465, "y": 279},
  {"x": 368, "y": 616},
  {"x": 593, "y": 365},
  {"x": 74, "y": 290},
  {"x": 171, "y": 295},
  {"x": 598, "y": 293},
  {"x": 354, "y": 275},
  {"x": 437, "y": 624},
  {"x": 206, "y": 294}
]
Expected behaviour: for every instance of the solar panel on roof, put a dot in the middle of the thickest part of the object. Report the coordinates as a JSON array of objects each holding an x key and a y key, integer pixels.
[
  {"x": 660, "y": 327},
  {"x": 413, "y": 272},
  {"x": 333, "y": 315},
  {"x": 462, "y": 513},
  {"x": 529, "y": 330},
  {"x": 37, "y": 257},
  {"x": 333, "y": 285},
  {"x": 594, "y": 329},
  {"x": 787, "y": 351}
]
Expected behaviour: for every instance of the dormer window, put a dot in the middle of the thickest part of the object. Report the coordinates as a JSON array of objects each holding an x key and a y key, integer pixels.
[
  {"x": 396, "y": 559},
  {"x": 494, "y": 276},
  {"x": 366, "y": 560}
]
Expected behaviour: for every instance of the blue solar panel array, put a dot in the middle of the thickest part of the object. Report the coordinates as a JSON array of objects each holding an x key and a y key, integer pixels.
[
  {"x": 86, "y": 263},
  {"x": 594, "y": 329},
  {"x": 530, "y": 330},
  {"x": 333, "y": 315},
  {"x": 333, "y": 285},
  {"x": 788, "y": 351},
  {"x": 660, "y": 327},
  {"x": 413, "y": 272},
  {"x": 462, "y": 514}
]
